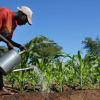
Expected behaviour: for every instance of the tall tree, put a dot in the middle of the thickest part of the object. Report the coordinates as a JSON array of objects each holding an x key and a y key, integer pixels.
[{"x": 91, "y": 45}]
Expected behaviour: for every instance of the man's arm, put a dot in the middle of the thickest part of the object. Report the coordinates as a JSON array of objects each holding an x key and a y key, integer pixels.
[
  {"x": 13, "y": 43},
  {"x": 3, "y": 39},
  {"x": 17, "y": 45},
  {"x": 6, "y": 41}
]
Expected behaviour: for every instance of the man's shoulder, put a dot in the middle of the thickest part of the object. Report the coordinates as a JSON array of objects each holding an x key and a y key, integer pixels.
[{"x": 3, "y": 9}]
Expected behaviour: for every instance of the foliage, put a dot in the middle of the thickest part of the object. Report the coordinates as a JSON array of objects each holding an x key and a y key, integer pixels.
[
  {"x": 72, "y": 73},
  {"x": 91, "y": 45},
  {"x": 3, "y": 49},
  {"x": 46, "y": 48}
]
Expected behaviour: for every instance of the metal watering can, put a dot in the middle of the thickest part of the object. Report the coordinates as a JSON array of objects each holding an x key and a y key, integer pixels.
[{"x": 10, "y": 60}]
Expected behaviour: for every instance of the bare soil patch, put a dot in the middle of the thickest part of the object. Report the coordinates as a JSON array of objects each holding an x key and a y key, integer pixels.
[{"x": 68, "y": 94}]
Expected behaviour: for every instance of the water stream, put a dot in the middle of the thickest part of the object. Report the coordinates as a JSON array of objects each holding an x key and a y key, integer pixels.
[{"x": 43, "y": 82}]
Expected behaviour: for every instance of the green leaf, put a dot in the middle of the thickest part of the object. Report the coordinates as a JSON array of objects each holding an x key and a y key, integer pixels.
[
  {"x": 42, "y": 36},
  {"x": 37, "y": 45},
  {"x": 32, "y": 42},
  {"x": 35, "y": 54},
  {"x": 48, "y": 42},
  {"x": 60, "y": 55},
  {"x": 45, "y": 46}
]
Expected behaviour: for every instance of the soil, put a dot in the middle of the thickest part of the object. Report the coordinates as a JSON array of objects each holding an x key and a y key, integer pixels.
[{"x": 68, "y": 94}]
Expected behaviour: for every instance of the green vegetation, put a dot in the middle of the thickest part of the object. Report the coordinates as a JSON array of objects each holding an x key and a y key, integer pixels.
[{"x": 72, "y": 73}]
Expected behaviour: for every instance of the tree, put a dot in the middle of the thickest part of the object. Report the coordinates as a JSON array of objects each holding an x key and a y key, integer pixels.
[
  {"x": 91, "y": 46},
  {"x": 45, "y": 50},
  {"x": 3, "y": 49}
]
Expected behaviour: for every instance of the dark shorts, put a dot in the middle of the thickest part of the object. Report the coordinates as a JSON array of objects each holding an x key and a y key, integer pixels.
[{"x": 4, "y": 34}]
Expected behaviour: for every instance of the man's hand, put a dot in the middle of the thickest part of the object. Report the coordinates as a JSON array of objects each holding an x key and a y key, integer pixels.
[
  {"x": 10, "y": 46},
  {"x": 23, "y": 48}
]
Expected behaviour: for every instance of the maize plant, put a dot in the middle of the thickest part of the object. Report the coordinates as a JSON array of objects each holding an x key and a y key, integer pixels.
[{"x": 76, "y": 72}]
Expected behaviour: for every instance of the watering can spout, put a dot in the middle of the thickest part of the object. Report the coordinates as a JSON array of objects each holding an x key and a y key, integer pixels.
[
  {"x": 31, "y": 67},
  {"x": 23, "y": 69},
  {"x": 22, "y": 52}
]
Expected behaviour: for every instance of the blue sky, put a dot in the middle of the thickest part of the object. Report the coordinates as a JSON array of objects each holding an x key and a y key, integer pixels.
[{"x": 67, "y": 22}]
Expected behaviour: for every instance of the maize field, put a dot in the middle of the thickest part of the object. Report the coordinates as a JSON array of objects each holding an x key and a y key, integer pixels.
[{"x": 50, "y": 78}]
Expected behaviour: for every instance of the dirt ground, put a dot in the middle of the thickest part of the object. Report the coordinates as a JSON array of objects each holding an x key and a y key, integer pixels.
[{"x": 69, "y": 94}]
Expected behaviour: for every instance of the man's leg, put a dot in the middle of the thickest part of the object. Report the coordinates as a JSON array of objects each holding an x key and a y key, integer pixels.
[
  {"x": 1, "y": 81},
  {"x": 2, "y": 88}
]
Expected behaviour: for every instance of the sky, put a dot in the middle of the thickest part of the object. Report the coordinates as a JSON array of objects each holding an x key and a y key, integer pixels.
[{"x": 67, "y": 22}]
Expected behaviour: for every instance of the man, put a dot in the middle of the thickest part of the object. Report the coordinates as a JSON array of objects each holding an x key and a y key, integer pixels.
[{"x": 8, "y": 22}]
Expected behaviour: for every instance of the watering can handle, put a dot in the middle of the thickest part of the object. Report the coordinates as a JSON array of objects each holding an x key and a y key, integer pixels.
[{"x": 21, "y": 52}]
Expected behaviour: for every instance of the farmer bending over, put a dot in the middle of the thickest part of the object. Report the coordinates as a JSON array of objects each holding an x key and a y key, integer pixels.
[{"x": 8, "y": 22}]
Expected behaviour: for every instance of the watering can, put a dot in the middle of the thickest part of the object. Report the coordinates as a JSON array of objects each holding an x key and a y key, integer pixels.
[{"x": 10, "y": 60}]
